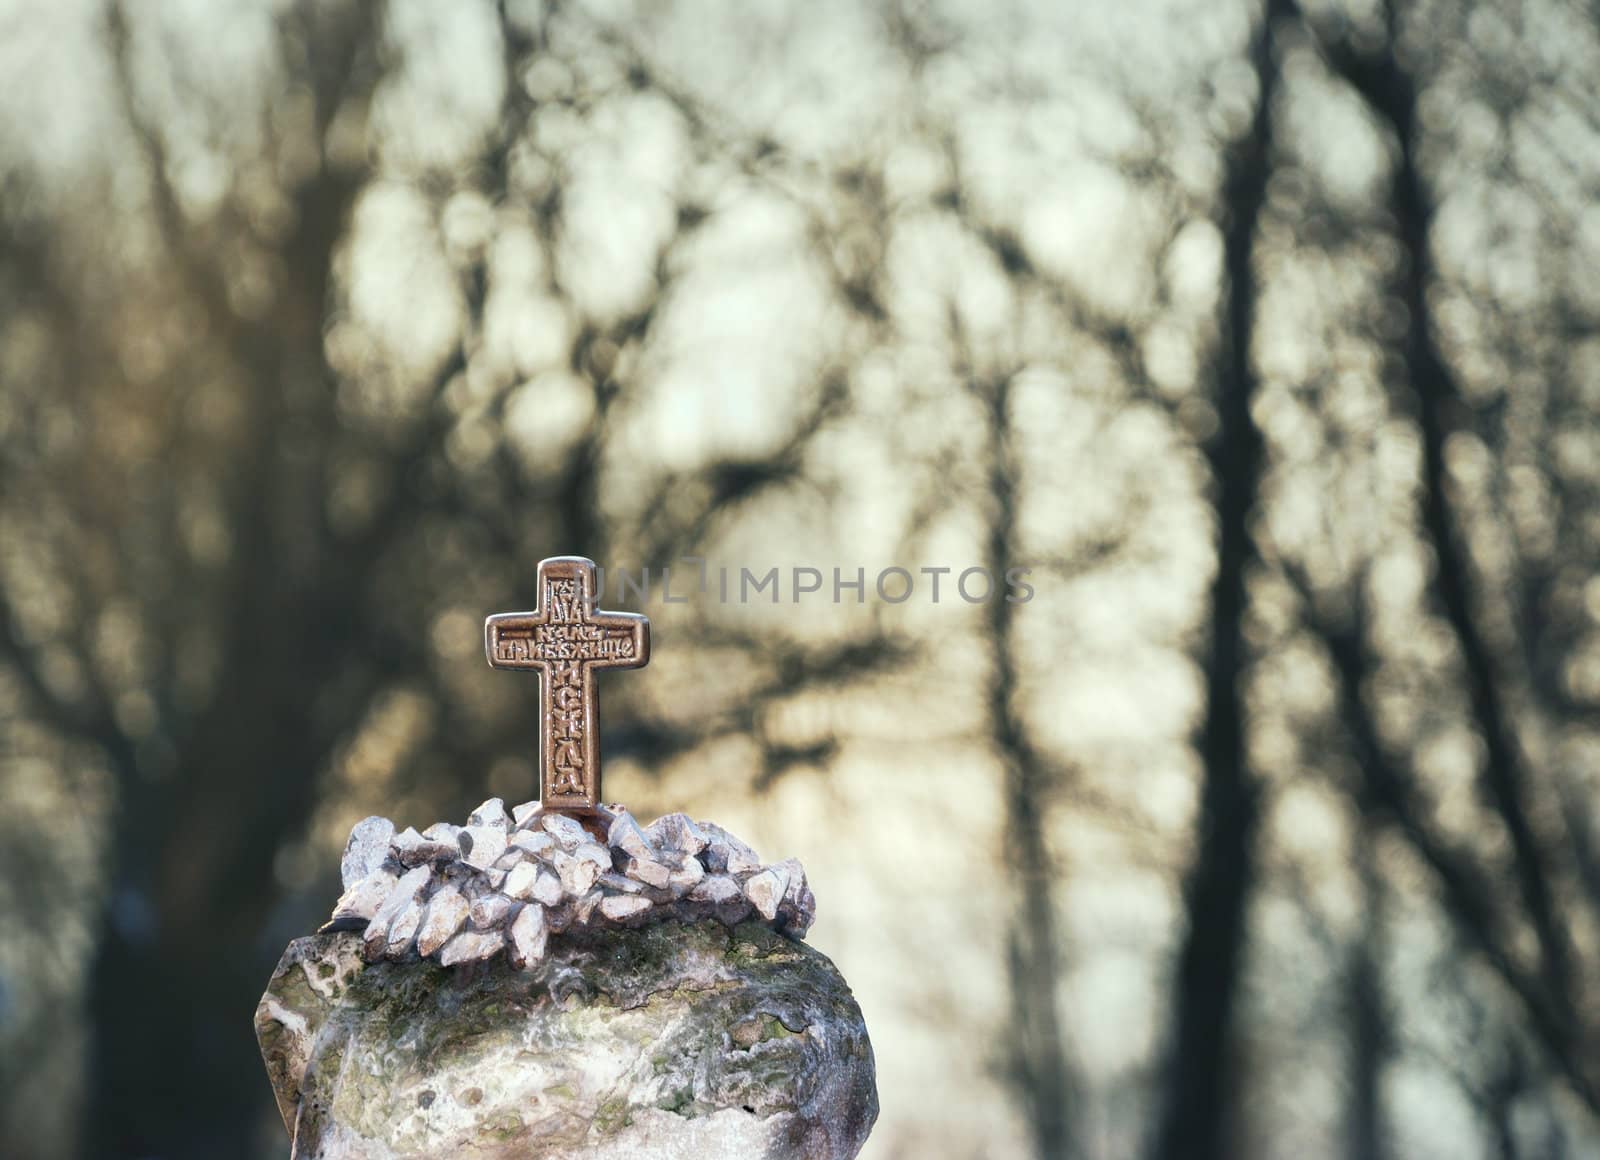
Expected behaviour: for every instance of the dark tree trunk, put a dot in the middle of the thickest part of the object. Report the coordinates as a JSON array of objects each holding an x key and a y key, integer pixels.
[
  {"x": 180, "y": 964},
  {"x": 1202, "y": 1080}
]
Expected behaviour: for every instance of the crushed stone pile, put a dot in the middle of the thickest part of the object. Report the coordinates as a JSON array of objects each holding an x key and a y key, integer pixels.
[{"x": 508, "y": 881}]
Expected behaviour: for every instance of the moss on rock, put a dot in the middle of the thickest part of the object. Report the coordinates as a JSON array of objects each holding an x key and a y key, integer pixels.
[{"x": 663, "y": 1041}]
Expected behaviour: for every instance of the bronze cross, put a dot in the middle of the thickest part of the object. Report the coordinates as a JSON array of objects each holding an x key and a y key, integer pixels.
[{"x": 565, "y": 639}]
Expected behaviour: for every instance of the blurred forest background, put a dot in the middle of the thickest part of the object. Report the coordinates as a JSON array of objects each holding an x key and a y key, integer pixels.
[{"x": 1268, "y": 337}]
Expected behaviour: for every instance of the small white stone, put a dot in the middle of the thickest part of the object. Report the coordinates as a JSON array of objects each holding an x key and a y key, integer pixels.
[
  {"x": 546, "y": 889},
  {"x": 716, "y": 889},
  {"x": 490, "y": 911},
  {"x": 794, "y": 876},
  {"x": 357, "y": 905},
  {"x": 620, "y": 906},
  {"x": 628, "y": 836},
  {"x": 564, "y": 829},
  {"x": 490, "y": 813},
  {"x": 677, "y": 832},
  {"x": 403, "y": 931},
  {"x": 519, "y": 883},
  {"x": 649, "y": 872},
  {"x": 583, "y": 908},
  {"x": 596, "y": 853},
  {"x": 727, "y": 853},
  {"x": 402, "y": 894},
  {"x": 365, "y": 850},
  {"x": 442, "y": 832},
  {"x": 405, "y": 844},
  {"x": 522, "y": 814},
  {"x": 406, "y": 888},
  {"x": 765, "y": 891},
  {"x": 618, "y": 884},
  {"x": 413, "y": 849},
  {"x": 481, "y": 846},
  {"x": 534, "y": 842},
  {"x": 795, "y": 873},
  {"x": 447, "y": 910},
  {"x": 529, "y": 937},
  {"x": 687, "y": 875},
  {"x": 471, "y": 946},
  {"x": 578, "y": 876}
]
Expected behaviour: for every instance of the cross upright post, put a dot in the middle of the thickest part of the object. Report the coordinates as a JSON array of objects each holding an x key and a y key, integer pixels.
[{"x": 564, "y": 639}]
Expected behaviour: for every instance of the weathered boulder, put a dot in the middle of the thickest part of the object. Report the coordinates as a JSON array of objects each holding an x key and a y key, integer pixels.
[{"x": 672, "y": 1040}]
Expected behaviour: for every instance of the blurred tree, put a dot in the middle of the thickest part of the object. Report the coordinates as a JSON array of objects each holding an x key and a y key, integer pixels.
[
  {"x": 1546, "y": 849},
  {"x": 1545, "y": 852},
  {"x": 1509, "y": 862},
  {"x": 1201, "y": 1094}
]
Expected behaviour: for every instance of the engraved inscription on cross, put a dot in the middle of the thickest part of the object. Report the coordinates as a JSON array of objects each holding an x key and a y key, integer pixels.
[{"x": 565, "y": 639}]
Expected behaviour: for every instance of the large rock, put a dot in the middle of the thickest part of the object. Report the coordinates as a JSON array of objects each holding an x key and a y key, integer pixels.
[{"x": 674, "y": 1040}]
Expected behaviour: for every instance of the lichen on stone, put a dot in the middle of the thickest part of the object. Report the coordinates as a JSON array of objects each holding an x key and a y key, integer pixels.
[{"x": 674, "y": 1039}]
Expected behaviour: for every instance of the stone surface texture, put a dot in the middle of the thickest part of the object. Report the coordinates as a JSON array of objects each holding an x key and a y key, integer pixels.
[
  {"x": 664, "y": 1041},
  {"x": 456, "y": 894}
]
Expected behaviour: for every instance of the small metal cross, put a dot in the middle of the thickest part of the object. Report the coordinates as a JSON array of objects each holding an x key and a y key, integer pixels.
[{"x": 565, "y": 639}]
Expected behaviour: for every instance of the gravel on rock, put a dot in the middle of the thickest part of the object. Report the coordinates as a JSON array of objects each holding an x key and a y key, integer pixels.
[{"x": 507, "y": 881}]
